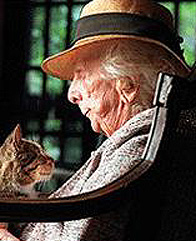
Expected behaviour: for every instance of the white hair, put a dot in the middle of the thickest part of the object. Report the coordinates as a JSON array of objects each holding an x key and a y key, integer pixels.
[{"x": 130, "y": 64}]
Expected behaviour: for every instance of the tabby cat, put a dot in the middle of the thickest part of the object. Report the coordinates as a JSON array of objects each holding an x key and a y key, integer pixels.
[{"x": 23, "y": 163}]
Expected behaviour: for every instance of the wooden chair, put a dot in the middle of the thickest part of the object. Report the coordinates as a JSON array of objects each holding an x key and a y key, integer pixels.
[{"x": 163, "y": 206}]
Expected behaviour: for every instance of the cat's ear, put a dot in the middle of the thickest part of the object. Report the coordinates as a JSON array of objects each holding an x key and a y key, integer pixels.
[
  {"x": 14, "y": 139},
  {"x": 17, "y": 134}
]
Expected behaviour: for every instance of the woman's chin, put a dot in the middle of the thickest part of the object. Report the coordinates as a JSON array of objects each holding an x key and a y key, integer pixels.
[
  {"x": 100, "y": 129},
  {"x": 99, "y": 126},
  {"x": 96, "y": 126}
]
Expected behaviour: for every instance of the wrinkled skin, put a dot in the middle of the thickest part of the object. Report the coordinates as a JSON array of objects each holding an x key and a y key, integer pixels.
[{"x": 98, "y": 99}]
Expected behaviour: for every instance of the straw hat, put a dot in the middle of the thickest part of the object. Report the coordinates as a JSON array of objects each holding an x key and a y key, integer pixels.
[{"x": 102, "y": 21}]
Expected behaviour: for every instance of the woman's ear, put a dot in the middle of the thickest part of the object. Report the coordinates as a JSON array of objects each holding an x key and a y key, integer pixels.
[{"x": 128, "y": 95}]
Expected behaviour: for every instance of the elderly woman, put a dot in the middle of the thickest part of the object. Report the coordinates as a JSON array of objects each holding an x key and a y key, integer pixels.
[{"x": 120, "y": 48}]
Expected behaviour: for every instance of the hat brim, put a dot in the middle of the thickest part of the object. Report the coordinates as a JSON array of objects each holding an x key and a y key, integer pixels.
[{"x": 62, "y": 65}]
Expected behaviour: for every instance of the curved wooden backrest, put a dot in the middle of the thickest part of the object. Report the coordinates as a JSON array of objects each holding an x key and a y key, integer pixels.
[{"x": 172, "y": 96}]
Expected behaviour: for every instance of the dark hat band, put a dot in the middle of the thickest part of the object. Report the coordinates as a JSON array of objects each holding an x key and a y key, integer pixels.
[{"x": 128, "y": 24}]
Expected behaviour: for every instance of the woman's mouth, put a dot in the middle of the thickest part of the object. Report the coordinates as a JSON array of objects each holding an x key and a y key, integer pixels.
[{"x": 87, "y": 113}]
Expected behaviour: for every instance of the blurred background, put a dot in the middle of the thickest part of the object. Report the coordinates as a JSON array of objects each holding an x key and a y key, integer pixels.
[{"x": 30, "y": 31}]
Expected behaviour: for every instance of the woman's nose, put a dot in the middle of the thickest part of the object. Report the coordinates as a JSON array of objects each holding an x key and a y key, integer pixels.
[{"x": 74, "y": 94}]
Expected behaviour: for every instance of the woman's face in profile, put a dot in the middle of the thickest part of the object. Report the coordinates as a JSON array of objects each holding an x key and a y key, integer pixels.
[{"x": 96, "y": 97}]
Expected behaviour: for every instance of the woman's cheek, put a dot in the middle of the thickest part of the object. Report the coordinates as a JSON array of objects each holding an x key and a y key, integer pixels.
[
  {"x": 95, "y": 105},
  {"x": 95, "y": 122}
]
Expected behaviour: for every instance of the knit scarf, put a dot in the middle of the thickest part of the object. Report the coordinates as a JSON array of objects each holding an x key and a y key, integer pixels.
[{"x": 117, "y": 155}]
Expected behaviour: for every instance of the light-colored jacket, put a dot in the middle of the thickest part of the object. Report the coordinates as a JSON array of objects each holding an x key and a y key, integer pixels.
[{"x": 117, "y": 155}]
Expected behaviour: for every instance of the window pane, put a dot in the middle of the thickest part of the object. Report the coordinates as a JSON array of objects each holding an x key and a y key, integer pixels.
[
  {"x": 54, "y": 86},
  {"x": 51, "y": 145},
  {"x": 33, "y": 125},
  {"x": 58, "y": 26},
  {"x": 33, "y": 136},
  {"x": 52, "y": 125},
  {"x": 34, "y": 82},
  {"x": 75, "y": 16},
  {"x": 73, "y": 151},
  {"x": 187, "y": 29},
  {"x": 37, "y": 33},
  {"x": 51, "y": 119}
]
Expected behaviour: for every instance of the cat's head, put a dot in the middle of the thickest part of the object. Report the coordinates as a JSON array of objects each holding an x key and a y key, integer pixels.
[{"x": 23, "y": 160}]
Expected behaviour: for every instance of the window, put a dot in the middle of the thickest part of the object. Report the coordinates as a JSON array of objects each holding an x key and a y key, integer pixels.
[
  {"x": 49, "y": 116},
  {"x": 185, "y": 23}
]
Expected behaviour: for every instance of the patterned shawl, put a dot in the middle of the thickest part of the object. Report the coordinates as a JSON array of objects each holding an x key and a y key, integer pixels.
[{"x": 116, "y": 156}]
